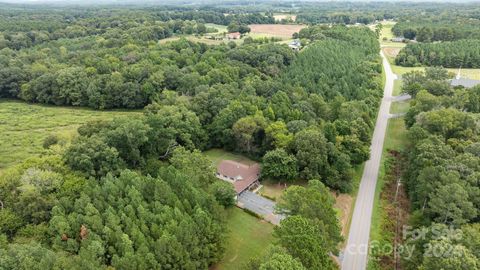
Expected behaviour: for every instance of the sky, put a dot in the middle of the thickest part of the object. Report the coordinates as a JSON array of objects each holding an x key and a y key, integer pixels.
[{"x": 209, "y": 1}]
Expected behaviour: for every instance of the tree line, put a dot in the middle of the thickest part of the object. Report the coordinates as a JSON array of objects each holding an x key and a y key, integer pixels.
[
  {"x": 442, "y": 172},
  {"x": 453, "y": 54}
]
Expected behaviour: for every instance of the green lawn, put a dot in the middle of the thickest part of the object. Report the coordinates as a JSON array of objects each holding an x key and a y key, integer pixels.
[
  {"x": 23, "y": 127},
  {"x": 397, "y": 87},
  {"x": 248, "y": 237},
  {"x": 216, "y": 155},
  {"x": 399, "y": 107},
  {"x": 387, "y": 33},
  {"x": 220, "y": 28}
]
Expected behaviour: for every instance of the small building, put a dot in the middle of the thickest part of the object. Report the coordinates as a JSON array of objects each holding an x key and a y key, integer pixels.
[
  {"x": 234, "y": 35},
  {"x": 241, "y": 176},
  {"x": 398, "y": 39},
  {"x": 295, "y": 45}
]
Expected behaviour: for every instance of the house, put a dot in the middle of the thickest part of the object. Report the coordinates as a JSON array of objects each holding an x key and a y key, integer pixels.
[
  {"x": 295, "y": 45},
  {"x": 241, "y": 176},
  {"x": 234, "y": 35}
]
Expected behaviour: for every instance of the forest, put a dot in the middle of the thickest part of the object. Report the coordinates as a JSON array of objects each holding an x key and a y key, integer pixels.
[
  {"x": 451, "y": 54},
  {"x": 136, "y": 192},
  {"x": 443, "y": 168}
]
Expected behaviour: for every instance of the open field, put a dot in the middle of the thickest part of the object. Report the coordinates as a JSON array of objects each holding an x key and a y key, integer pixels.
[
  {"x": 397, "y": 87},
  {"x": 282, "y": 16},
  {"x": 216, "y": 155},
  {"x": 248, "y": 237},
  {"x": 219, "y": 27},
  {"x": 275, "y": 30},
  {"x": 399, "y": 107},
  {"x": 387, "y": 34},
  {"x": 23, "y": 127}
]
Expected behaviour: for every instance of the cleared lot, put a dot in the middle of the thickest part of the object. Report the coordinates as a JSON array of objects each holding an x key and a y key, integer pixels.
[{"x": 276, "y": 30}]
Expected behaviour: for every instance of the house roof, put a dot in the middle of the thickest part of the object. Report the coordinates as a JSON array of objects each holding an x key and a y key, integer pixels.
[
  {"x": 467, "y": 83},
  {"x": 234, "y": 34},
  {"x": 243, "y": 175}
]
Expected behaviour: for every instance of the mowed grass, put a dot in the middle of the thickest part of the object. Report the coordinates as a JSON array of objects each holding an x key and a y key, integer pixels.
[
  {"x": 248, "y": 237},
  {"x": 23, "y": 127},
  {"x": 220, "y": 28},
  {"x": 387, "y": 34},
  {"x": 216, "y": 155}
]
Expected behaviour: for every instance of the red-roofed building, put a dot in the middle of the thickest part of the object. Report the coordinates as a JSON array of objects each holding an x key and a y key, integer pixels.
[{"x": 242, "y": 176}]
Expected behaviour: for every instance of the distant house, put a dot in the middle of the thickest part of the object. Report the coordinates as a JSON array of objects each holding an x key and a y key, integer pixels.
[
  {"x": 234, "y": 35},
  {"x": 397, "y": 39},
  {"x": 242, "y": 176},
  {"x": 295, "y": 45}
]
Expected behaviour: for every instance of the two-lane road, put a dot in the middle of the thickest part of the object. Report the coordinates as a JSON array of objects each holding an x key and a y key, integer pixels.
[{"x": 356, "y": 251}]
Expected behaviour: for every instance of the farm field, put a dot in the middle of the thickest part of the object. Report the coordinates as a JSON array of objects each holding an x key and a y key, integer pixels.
[
  {"x": 23, "y": 127},
  {"x": 274, "y": 30},
  {"x": 282, "y": 16},
  {"x": 248, "y": 237}
]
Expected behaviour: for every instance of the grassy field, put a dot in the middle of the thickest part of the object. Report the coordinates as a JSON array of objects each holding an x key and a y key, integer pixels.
[
  {"x": 23, "y": 127},
  {"x": 248, "y": 237},
  {"x": 217, "y": 155},
  {"x": 219, "y": 27},
  {"x": 387, "y": 34},
  {"x": 397, "y": 87}
]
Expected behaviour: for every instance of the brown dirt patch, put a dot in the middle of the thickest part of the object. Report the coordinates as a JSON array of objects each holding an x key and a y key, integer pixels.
[
  {"x": 391, "y": 52},
  {"x": 344, "y": 203},
  {"x": 280, "y": 30}
]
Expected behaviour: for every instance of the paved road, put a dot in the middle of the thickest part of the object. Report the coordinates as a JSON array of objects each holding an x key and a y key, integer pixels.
[
  {"x": 356, "y": 251},
  {"x": 259, "y": 205}
]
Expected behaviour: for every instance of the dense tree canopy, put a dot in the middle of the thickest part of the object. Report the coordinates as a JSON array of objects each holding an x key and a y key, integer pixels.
[{"x": 443, "y": 171}]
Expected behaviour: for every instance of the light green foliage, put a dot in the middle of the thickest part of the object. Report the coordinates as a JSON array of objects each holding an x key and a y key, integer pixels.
[
  {"x": 315, "y": 203},
  {"x": 25, "y": 127},
  {"x": 303, "y": 239}
]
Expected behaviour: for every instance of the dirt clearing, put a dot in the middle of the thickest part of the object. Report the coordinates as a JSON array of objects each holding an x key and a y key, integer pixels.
[
  {"x": 278, "y": 30},
  {"x": 391, "y": 52}
]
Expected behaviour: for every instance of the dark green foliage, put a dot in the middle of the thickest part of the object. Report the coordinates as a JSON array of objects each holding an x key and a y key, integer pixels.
[
  {"x": 30, "y": 190},
  {"x": 275, "y": 258},
  {"x": 454, "y": 54},
  {"x": 138, "y": 222},
  {"x": 303, "y": 239},
  {"x": 316, "y": 204},
  {"x": 49, "y": 141},
  {"x": 224, "y": 193},
  {"x": 93, "y": 156},
  {"x": 279, "y": 165},
  {"x": 443, "y": 172}
]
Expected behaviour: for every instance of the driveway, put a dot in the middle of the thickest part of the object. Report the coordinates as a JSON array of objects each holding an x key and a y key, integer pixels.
[
  {"x": 260, "y": 206},
  {"x": 356, "y": 252}
]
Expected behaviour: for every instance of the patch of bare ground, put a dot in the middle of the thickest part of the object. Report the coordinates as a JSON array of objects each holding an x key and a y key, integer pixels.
[
  {"x": 344, "y": 203},
  {"x": 391, "y": 52},
  {"x": 280, "y": 30}
]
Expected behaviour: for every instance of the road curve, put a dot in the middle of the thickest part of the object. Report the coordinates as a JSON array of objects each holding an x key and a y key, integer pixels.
[{"x": 356, "y": 251}]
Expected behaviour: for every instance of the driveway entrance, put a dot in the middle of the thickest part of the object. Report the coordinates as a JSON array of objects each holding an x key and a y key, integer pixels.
[{"x": 260, "y": 206}]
